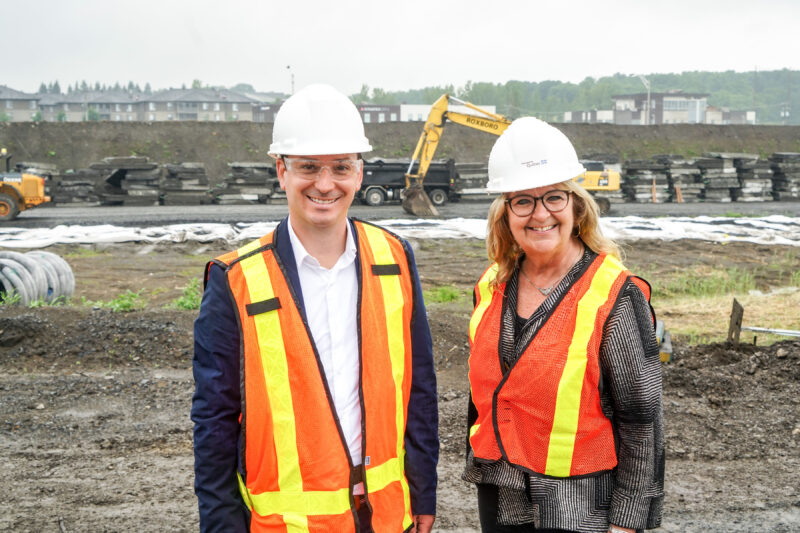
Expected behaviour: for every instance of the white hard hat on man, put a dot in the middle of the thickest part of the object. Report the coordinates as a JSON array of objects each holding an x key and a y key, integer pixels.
[
  {"x": 318, "y": 120},
  {"x": 529, "y": 154}
]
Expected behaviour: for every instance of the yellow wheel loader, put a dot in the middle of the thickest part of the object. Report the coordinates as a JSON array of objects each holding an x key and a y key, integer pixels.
[{"x": 19, "y": 190}]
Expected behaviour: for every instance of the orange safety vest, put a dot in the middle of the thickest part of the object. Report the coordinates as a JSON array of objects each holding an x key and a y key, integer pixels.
[
  {"x": 296, "y": 466},
  {"x": 544, "y": 414}
]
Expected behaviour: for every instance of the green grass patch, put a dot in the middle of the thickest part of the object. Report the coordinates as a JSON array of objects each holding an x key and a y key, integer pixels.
[
  {"x": 190, "y": 298},
  {"x": 84, "y": 252},
  {"x": 13, "y": 299},
  {"x": 699, "y": 283},
  {"x": 125, "y": 302},
  {"x": 444, "y": 294},
  {"x": 735, "y": 214}
]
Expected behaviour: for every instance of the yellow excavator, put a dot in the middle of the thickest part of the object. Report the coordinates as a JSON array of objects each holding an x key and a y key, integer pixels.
[
  {"x": 416, "y": 201},
  {"x": 18, "y": 190}
]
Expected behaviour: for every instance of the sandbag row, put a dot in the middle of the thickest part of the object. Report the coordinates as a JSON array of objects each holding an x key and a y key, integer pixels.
[{"x": 34, "y": 276}]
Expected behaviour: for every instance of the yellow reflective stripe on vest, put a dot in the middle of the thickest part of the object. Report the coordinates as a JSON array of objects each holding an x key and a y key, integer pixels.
[
  {"x": 485, "y": 294},
  {"x": 299, "y": 503},
  {"x": 276, "y": 375},
  {"x": 474, "y": 429},
  {"x": 393, "y": 303},
  {"x": 379, "y": 477},
  {"x": 568, "y": 399}
]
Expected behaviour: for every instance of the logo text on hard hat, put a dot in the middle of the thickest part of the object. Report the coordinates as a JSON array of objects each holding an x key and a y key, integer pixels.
[{"x": 529, "y": 164}]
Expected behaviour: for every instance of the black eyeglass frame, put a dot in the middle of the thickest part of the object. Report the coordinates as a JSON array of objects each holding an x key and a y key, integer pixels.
[{"x": 538, "y": 198}]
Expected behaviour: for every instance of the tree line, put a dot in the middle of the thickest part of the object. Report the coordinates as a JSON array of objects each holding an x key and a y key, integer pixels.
[{"x": 774, "y": 95}]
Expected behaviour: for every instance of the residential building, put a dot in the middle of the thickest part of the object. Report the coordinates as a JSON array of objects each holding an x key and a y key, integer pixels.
[
  {"x": 213, "y": 105},
  {"x": 415, "y": 112},
  {"x": 675, "y": 107},
  {"x": 16, "y": 106},
  {"x": 595, "y": 116}
]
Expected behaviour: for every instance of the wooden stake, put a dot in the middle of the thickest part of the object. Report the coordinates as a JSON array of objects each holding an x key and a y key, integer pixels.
[
  {"x": 735, "y": 327},
  {"x": 653, "y": 191},
  {"x": 678, "y": 194}
]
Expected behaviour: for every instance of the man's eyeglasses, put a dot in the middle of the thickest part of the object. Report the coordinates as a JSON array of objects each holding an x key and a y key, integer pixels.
[
  {"x": 524, "y": 205},
  {"x": 310, "y": 168}
]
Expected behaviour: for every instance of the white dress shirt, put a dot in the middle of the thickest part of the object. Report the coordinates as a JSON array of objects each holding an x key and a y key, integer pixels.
[{"x": 330, "y": 300}]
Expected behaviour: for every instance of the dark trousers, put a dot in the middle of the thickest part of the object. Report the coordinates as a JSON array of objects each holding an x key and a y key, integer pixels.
[
  {"x": 364, "y": 515},
  {"x": 487, "y": 511}
]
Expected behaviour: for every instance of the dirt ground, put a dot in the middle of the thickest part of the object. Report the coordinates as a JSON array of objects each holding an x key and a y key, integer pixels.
[{"x": 94, "y": 405}]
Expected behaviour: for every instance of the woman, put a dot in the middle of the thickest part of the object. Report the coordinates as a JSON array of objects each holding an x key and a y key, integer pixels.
[{"x": 565, "y": 417}]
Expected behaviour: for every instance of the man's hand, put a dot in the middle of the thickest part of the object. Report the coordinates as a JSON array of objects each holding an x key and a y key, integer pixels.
[
  {"x": 619, "y": 529},
  {"x": 423, "y": 523}
]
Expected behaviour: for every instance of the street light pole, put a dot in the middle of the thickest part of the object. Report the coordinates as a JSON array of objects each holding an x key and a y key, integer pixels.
[
  {"x": 647, "y": 85},
  {"x": 289, "y": 68}
]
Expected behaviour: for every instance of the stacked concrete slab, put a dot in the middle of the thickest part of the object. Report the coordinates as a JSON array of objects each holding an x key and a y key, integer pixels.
[
  {"x": 719, "y": 176},
  {"x": 128, "y": 181},
  {"x": 247, "y": 183},
  {"x": 77, "y": 186},
  {"x": 684, "y": 177},
  {"x": 755, "y": 180},
  {"x": 785, "y": 175},
  {"x": 184, "y": 184},
  {"x": 641, "y": 177}
]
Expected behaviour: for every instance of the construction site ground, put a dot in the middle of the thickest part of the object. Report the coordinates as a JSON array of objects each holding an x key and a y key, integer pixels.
[{"x": 94, "y": 404}]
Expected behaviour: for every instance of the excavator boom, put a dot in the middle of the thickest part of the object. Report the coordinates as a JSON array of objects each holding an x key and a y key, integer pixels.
[{"x": 415, "y": 200}]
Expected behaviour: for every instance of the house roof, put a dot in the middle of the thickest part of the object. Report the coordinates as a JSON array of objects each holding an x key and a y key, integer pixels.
[
  {"x": 198, "y": 96},
  {"x": 7, "y": 93}
]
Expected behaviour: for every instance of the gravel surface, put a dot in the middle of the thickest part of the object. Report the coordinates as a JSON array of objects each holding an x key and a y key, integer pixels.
[{"x": 94, "y": 405}]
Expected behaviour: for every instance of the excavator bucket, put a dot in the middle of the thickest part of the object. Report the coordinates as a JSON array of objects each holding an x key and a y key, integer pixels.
[{"x": 417, "y": 203}]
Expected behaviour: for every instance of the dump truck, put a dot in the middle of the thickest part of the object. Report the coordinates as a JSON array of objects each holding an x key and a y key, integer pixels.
[
  {"x": 385, "y": 179},
  {"x": 19, "y": 190},
  {"x": 415, "y": 199}
]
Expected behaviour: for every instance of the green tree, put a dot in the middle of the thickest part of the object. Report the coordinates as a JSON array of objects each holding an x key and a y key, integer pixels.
[
  {"x": 362, "y": 96},
  {"x": 42, "y": 88},
  {"x": 37, "y": 117},
  {"x": 56, "y": 88},
  {"x": 197, "y": 84},
  {"x": 243, "y": 88},
  {"x": 61, "y": 117},
  {"x": 4, "y": 117},
  {"x": 93, "y": 115}
]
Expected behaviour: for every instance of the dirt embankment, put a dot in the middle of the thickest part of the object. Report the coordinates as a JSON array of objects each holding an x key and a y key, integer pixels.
[
  {"x": 96, "y": 436},
  {"x": 76, "y": 145}
]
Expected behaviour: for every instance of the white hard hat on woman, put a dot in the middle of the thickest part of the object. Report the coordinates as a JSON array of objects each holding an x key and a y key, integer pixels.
[{"x": 529, "y": 154}]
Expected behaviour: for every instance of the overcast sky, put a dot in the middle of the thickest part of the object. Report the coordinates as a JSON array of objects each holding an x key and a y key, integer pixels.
[{"x": 392, "y": 45}]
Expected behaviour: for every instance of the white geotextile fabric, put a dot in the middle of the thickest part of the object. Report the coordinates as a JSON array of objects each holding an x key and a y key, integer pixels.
[{"x": 775, "y": 229}]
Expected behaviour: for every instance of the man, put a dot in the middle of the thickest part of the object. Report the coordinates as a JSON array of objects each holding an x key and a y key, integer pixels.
[{"x": 315, "y": 403}]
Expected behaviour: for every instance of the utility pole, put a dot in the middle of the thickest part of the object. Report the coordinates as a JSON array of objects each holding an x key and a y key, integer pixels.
[
  {"x": 291, "y": 73},
  {"x": 647, "y": 85}
]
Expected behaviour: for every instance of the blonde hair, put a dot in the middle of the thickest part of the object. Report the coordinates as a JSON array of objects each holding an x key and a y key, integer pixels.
[{"x": 504, "y": 250}]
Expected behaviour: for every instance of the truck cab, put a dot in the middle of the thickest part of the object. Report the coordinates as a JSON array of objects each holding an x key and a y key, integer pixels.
[{"x": 384, "y": 180}]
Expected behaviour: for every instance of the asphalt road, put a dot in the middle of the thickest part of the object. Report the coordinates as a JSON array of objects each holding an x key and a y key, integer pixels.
[{"x": 51, "y": 216}]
